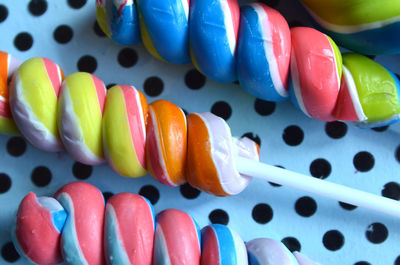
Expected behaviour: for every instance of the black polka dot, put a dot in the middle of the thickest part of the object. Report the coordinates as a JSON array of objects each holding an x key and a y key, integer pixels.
[
  {"x": 127, "y": 57},
  {"x": 9, "y": 253},
  {"x": 97, "y": 30},
  {"x": 397, "y": 261},
  {"x": 110, "y": 85},
  {"x": 305, "y": 206},
  {"x": 292, "y": 243},
  {"x": 362, "y": 263},
  {"x": 87, "y": 63},
  {"x": 16, "y": 146},
  {"x": 293, "y": 135},
  {"x": 320, "y": 168},
  {"x": 107, "y": 195},
  {"x": 194, "y": 79},
  {"x": 219, "y": 216},
  {"x": 151, "y": 193},
  {"x": 41, "y": 176},
  {"x": 81, "y": 171},
  {"x": 363, "y": 161},
  {"x": 222, "y": 109},
  {"x": 264, "y": 108},
  {"x": 347, "y": 206},
  {"x": 336, "y": 129},
  {"x": 76, "y": 4},
  {"x": 23, "y": 41},
  {"x": 253, "y": 137},
  {"x": 391, "y": 190},
  {"x": 153, "y": 86},
  {"x": 333, "y": 240},
  {"x": 37, "y": 7},
  {"x": 271, "y": 3},
  {"x": 372, "y": 57},
  {"x": 262, "y": 213},
  {"x": 380, "y": 129},
  {"x": 188, "y": 191},
  {"x": 3, "y": 13},
  {"x": 63, "y": 34},
  {"x": 397, "y": 154},
  {"x": 376, "y": 233},
  {"x": 5, "y": 182}
]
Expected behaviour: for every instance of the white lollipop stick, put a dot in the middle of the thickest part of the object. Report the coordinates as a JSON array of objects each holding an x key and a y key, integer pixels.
[{"x": 317, "y": 186}]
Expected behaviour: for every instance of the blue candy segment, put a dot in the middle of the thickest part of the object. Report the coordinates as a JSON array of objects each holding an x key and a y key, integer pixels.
[
  {"x": 168, "y": 27},
  {"x": 124, "y": 23},
  {"x": 226, "y": 244},
  {"x": 209, "y": 41},
  {"x": 253, "y": 67},
  {"x": 59, "y": 219}
]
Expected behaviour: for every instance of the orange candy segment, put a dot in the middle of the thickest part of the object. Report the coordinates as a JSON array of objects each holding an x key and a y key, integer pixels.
[{"x": 166, "y": 143}]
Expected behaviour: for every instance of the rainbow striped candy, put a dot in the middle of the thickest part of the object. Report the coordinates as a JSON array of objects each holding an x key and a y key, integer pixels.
[
  {"x": 164, "y": 26},
  {"x": 129, "y": 230},
  {"x": 266, "y": 251},
  {"x": 124, "y": 130},
  {"x": 166, "y": 143},
  {"x": 176, "y": 239},
  {"x": 79, "y": 117},
  {"x": 33, "y": 102},
  {"x": 119, "y": 20},
  {"x": 367, "y": 26},
  {"x": 211, "y": 156},
  {"x": 369, "y": 94},
  {"x": 263, "y": 52},
  {"x": 213, "y": 27},
  {"x": 222, "y": 246},
  {"x": 37, "y": 232},
  {"x": 8, "y": 65},
  {"x": 82, "y": 235},
  {"x": 316, "y": 70}
]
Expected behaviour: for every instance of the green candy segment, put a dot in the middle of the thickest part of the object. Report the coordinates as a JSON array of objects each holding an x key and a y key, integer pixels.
[{"x": 376, "y": 86}]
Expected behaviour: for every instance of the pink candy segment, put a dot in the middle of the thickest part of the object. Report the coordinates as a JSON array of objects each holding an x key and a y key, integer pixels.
[
  {"x": 82, "y": 236},
  {"x": 177, "y": 239},
  {"x": 129, "y": 230},
  {"x": 37, "y": 231}
]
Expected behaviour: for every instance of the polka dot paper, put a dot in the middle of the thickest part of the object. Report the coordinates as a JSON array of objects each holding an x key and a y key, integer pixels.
[{"x": 327, "y": 231}]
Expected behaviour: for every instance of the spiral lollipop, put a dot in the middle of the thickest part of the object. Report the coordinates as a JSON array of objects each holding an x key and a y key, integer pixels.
[{"x": 131, "y": 236}]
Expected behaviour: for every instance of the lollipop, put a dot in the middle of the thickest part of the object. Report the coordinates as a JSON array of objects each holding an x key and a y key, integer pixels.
[
  {"x": 8, "y": 65},
  {"x": 368, "y": 26},
  {"x": 129, "y": 233}
]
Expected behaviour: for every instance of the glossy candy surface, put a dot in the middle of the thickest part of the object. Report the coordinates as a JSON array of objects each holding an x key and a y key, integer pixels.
[
  {"x": 129, "y": 230},
  {"x": 82, "y": 235},
  {"x": 213, "y": 28},
  {"x": 303, "y": 259},
  {"x": 211, "y": 164},
  {"x": 79, "y": 117},
  {"x": 166, "y": 143},
  {"x": 33, "y": 102},
  {"x": 177, "y": 239},
  {"x": 8, "y": 65},
  {"x": 263, "y": 52},
  {"x": 369, "y": 93},
  {"x": 37, "y": 232},
  {"x": 222, "y": 246},
  {"x": 124, "y": 130},
  {"x": 368, "y": 26},
  {"x": 266, "y": 251},
  {"x": 164, "y": 28},
  {"x": 316, "y": 70},
  {"x": 119, "y": 20}
]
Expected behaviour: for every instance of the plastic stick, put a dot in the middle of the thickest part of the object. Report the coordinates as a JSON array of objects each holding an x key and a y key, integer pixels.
[{"x": 317, "y": 186}]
